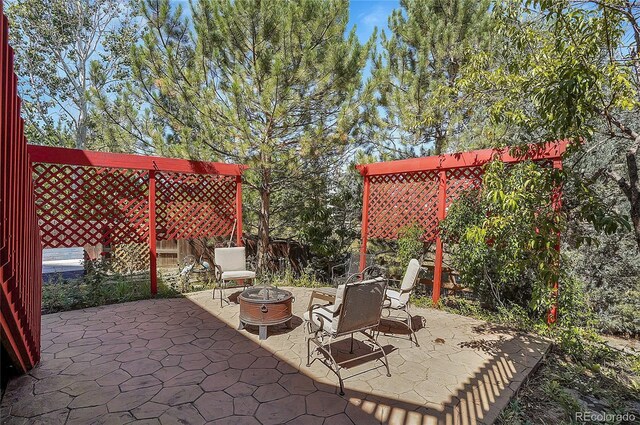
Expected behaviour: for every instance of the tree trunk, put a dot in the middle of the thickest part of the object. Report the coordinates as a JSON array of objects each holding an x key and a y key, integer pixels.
[
  {"x": 263, "y": 219},
  {"x": 631, "y": 189},
  {"x": 633, "y": 194},
  {"x": 81, "y": 131},
  {"x": 440, "y": 140}
]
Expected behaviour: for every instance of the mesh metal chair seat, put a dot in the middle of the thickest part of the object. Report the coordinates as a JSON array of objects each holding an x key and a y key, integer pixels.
[
  {"x": 231, "y": 268},
  {"x": 357, "y": 309}
]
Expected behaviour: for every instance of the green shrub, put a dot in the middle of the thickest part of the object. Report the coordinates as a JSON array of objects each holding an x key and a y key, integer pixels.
[
  {"x": 99, "y": 286},
  {"x": 410, "y": 243},
  {"x": 306, "y": 279},
  {"x": 503, "y": 237},
  {"x": 610, "y": 269}
]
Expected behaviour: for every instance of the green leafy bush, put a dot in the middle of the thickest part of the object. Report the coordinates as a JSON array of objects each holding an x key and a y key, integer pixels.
[
  {"x": 306, "y": 279},
  {"x": 503, "y": 237},
  {"x": 410, "y": 243},
  {"x": 99, "y": 286}
]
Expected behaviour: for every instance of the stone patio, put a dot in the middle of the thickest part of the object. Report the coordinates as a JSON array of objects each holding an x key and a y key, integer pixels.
[{"x": 183, "y": 361}]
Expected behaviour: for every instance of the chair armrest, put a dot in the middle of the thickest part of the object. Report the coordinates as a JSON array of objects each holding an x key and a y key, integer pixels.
[
  {"x": 312, "y": 307},
  {"x": 373, "y": 268},
  {"x": 345, "y": 264},
  {"x": 320, "y": 317},
  {"x": 394, "y": 283},
  {"x": 217, "y": 272},
  {"x": 353, "y": 278}
]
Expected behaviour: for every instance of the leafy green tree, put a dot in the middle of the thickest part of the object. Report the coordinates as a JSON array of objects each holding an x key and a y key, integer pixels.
[
  {"x": 417, "y": 72},
  {"x": 65, "y": 50},
  {"x": 273, "y": 84},
  {"x": 569, "y": 69}
]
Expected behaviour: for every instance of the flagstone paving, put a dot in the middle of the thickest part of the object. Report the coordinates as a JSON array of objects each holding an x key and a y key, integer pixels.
[{"x": 182, "y": 360}]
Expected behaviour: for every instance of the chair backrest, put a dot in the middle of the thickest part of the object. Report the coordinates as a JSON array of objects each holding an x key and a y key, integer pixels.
[
  {"x": 409, "y": 280},
  {"x": 354, "y": 263},
  {"x": 231, "y": 259},
  {"x": 358, "y": 306}
]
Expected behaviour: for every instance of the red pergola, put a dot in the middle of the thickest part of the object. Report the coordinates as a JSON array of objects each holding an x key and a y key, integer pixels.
[
  {"x": 90, "y": 198},
  {"x": 56, "y": 197},
  {"x": 419, "y": 191}
]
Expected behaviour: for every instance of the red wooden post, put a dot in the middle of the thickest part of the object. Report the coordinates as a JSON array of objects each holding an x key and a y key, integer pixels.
[
  {"x": 239, "y": 210},
  {"x": 153, "y": 270},
  {"x": 557, "y": 204},
  {"x": 442, "y": 205},
  {"x": 365, "y": 222}
]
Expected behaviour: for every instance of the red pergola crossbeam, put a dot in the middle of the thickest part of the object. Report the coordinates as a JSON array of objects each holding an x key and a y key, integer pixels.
[
  {"x": 64, "y": 156},
  {"x": 534, "y": 152}
]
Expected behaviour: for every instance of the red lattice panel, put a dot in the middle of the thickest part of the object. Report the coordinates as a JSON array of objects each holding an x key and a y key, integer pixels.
[
  {"x": 80, "y": 206},
  {"x": 192, "y": 206},
  {"x": 398, "y": 200},
  {"x": 460, "y": 180}
]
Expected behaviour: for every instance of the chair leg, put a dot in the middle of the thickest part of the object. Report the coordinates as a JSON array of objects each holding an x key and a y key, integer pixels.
[
  {"x": 336, "y": 367},
  {"x": 308, "y": 351},
  {"x": 412, "y": 333},
  {"x": 377, "y": 344},
  {"x": 351, "y": 350}
]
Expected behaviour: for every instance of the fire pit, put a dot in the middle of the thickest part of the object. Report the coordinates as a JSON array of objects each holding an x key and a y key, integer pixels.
[{"x": 265, "y": 306}]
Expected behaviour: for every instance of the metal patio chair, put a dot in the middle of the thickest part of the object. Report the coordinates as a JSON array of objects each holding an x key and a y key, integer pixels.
[
  {"x": 231, "y": 268},
  {"x": 398, "y": 299},
  {"x": 357, "y": 309},
  {"x": 351, "y": 267}
]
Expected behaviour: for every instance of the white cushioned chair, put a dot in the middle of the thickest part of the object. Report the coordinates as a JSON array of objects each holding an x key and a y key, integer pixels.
[
  {"x": 398, "y": 299},
  {"x": 231, "y": 268},
  {"x": 357, "y": 309}
]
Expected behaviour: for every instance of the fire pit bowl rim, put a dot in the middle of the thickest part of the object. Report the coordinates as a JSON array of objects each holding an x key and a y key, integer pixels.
[{"x": 244, "y": 296}]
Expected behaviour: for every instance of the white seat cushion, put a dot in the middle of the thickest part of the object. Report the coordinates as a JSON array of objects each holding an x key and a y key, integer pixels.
[
  {"x": 322, "y": 317},
  {"x": 231, "y": 259},
  {"x": 237, "y": 275},
  {"x": 393, "y": 299}
]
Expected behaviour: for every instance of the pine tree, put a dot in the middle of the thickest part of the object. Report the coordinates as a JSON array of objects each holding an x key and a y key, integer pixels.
[
  {"x": 420, "y": 63},
  {"x": 272, "y": 84}
]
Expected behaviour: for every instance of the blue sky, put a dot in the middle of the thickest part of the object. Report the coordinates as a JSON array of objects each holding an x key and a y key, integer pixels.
[{"x": 366, "y": 15}]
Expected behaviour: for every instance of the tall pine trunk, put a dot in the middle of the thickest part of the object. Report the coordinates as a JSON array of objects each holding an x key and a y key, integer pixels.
[{"x": 263, "y": 219}]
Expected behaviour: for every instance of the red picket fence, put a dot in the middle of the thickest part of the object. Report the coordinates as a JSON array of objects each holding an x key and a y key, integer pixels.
[
  {"x": 91, "y": 198},
  {"x": 20, "y": 248},
  {"x": 419, "y": 191}
]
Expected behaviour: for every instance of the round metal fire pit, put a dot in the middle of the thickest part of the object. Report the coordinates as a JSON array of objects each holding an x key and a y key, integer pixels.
[{"x": 265, "y": 306}]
